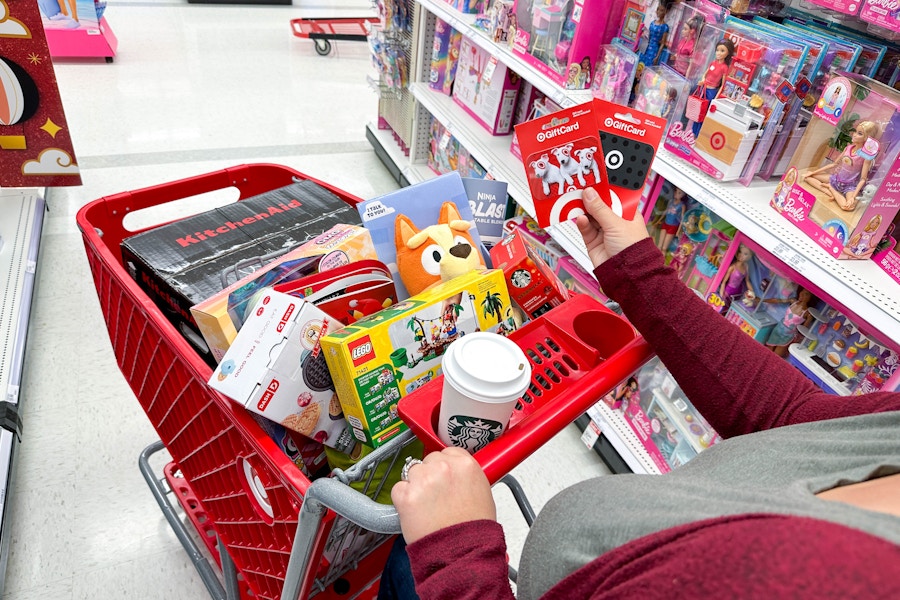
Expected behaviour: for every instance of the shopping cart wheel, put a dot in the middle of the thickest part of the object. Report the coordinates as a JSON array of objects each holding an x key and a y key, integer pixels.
[{"x": 323, "y": 47}]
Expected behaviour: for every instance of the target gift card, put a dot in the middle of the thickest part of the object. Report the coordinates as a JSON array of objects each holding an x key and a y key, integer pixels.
[
  {"x": 629, "y": 139},
  {"x": 562, "y": 156}
]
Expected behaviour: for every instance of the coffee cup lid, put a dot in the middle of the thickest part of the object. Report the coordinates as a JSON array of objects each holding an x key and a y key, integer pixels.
[{"x": 487, "y": 366}]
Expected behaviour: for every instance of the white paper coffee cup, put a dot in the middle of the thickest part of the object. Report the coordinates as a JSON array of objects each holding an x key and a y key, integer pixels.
[{"x": 484, "y": 375}]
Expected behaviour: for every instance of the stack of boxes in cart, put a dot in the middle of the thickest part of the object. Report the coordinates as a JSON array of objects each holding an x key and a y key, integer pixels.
[{"x": 294, "y": 298}]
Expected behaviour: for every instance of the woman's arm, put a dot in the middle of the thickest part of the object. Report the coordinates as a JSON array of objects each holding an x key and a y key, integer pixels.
[{"x": 737, "y": 384}]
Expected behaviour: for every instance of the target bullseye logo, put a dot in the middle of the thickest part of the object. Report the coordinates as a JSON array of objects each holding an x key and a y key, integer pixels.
[
  {"x": 717, "y": 140},
  {"x": 569, "y": 205},
  {"x": 614, "y": 160}
]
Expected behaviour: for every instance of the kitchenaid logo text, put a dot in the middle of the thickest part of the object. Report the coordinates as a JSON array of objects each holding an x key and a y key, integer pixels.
[
  {"x": 557, "y": 131},
  {"x": 229, "y": 226},
  {"x": 626, "y": 127}
]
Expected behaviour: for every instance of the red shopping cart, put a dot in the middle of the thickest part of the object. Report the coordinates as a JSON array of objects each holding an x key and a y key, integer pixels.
[
  {"x": 321, "y": 31},
  {"x": 286, "y": 536}
]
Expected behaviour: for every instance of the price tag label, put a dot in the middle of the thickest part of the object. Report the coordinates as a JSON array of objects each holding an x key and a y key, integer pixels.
[
  {"x": 591, "y": 434},
  {"x": 489, "y": 71},
  {"x": 790, "y": 257},
  {"x": 445, "y": 140}
]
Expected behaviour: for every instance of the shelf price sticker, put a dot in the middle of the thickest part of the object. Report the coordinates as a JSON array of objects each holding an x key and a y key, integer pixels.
[
  {"x": 591, "y": 434},
  {"x": 445, "y": 139},
  {"x": 488, "y": 73},
  {"x": 790, "y": 257}
]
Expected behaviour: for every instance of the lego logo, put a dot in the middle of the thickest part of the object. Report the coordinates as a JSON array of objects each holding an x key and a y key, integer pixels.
[{"x": 361, "y": 351}]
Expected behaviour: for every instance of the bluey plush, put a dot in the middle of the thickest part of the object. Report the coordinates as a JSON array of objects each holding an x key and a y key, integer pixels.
[{"x": 437, "y": 253}]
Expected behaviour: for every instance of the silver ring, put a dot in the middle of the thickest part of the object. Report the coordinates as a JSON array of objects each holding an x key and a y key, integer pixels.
[{"x": 410, "y": 461}]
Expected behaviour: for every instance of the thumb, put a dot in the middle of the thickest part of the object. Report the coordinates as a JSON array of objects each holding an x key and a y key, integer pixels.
[{"x": 595, "y": 205}]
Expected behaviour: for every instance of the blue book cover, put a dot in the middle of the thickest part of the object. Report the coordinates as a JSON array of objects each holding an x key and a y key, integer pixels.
[
  {"x": 487, "y": 199},
  {"x": 422, "y": 204}
]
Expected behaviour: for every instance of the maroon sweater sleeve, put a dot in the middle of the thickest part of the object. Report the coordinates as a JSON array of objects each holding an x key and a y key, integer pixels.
[
  {"x": 736, "y": 383},
  {"x": 462, "y": 562}
]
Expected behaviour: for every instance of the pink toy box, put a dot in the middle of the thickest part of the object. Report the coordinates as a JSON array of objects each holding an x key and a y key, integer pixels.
[
  {"x": 842, "y": 187},
  {"x": 887, "y": 253},
  {"x": 562, "y": 38},
  {"x": 485, "y": 88}
]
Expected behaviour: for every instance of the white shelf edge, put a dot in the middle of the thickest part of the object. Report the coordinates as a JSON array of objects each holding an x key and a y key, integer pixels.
[
  {"x": 414, "y": 173},
  {"x": 621, "y": 436},
  {"x": 464, "y": 23}
]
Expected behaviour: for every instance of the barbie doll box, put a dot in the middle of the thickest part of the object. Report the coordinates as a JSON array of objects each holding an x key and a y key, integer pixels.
[
  {"x": 486, "y": 88},
  {"x": 842, "y": 187},
  {"x": 383, "y": 357}
]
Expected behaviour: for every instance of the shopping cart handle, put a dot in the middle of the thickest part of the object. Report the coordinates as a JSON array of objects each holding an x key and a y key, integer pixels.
[{"x": 325, "y": 493}]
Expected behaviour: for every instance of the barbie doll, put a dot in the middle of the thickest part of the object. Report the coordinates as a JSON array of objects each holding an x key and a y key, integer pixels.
[
  {"x": 714, "y": 79},
  {"x": 846, "y": 177},
  {"x": 737, "y": 277},
  {"x": 685, "y": 46},
  {"x": 671, "y": 219},
  {"x": 657, "y": 37},
  {"x": 785, "y": 331}
]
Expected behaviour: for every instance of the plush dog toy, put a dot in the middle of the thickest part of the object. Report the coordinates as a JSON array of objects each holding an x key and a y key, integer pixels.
[{"x": 437, "y": 253}]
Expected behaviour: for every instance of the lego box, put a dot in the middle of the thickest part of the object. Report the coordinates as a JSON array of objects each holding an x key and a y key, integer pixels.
[
  {"x": 275, "y": 368},
  {"x": 531, "y": 283},
  {"x": 381, "y": 358}
]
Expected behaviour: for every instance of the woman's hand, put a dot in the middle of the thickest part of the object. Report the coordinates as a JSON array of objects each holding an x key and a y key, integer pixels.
[
  {"x": 605, "y": 233},
  {"x": 446, "y": 489}
]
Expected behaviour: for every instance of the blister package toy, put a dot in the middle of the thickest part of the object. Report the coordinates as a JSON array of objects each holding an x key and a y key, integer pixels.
[
  {"x": 840, "y": 188},
  {"x": 661, "y": 92},
  {"x": 615, "y": 73},
  {"x": 741, "y": 77}
]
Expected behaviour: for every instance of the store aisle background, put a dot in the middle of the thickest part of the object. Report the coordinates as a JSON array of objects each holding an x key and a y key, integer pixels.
[{"x": 194, "y": 88}]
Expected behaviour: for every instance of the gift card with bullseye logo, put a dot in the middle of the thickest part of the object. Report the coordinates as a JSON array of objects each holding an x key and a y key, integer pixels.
[
  {"x": 629, "y": 139},
  {"x": 562, "y": 156}
]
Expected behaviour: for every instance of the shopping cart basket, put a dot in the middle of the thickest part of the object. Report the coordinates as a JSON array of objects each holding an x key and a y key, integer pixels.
[
  {"x": 246, "y": 487},
  {"x": 321, "y": 31}
]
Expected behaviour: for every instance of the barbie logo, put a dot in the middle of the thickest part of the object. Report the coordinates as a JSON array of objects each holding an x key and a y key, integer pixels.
[
  {"x": 796, "y": 210},
  {"x": 890, "y": 5},
  {"x": 678, "y": 132}
]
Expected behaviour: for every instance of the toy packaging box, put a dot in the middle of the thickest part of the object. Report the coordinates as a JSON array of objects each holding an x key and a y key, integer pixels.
[
  {"x": 562, "y": 38},
  {"x": 488, "y": 199},
  {"x": 577, "y": 280},
  {"x": 740, "y": 79},
  {"x": 662, "y": 92},
  {"x": 383, "y": 357},
  {"x": 546, "y": 247},
  {"x": 530, "y": 282},
  {"x": 841, "y": 188},
  {"x": 275, "y": 368},
  {"x": 444, "y": 57},
  {"x": 422, "y": 204},
  {"x": 220, "y": 316},
  {"x": 887, "y": 252},
  {"x": 614, "y": 75},
  {"x": 187, "y": 261},
  {"x": 486, "y": 88},
  {"x": 308, "y": 455}
]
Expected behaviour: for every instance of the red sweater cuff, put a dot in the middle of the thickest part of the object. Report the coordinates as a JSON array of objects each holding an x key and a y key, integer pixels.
[{"x": 466, "y": 561}]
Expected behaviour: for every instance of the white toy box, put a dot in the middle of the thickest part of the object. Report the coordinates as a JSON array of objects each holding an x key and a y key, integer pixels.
[{"x": 486, "y": 88}]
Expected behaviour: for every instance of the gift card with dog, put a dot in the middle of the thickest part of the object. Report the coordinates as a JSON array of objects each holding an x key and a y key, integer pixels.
[{"x": 562, "y": 156}]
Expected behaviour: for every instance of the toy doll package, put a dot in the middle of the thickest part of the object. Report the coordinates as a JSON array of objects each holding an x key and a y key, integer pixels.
[
  {"x": 661, "y": 92},
  {"x": 562, "y": 38},
  {"x": 843, "y": 184},
  {"x": 615, "y": 73},
  {"x": 740, "y": 79}
]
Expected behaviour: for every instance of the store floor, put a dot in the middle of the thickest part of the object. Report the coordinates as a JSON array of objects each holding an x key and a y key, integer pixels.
[{"x": 194, "y": 88}]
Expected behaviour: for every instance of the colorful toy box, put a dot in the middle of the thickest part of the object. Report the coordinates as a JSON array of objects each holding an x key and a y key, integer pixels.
[
  {"x": 486, "y": 88},
  {"x": 562, "y": 38},
  {"x": 546, "y": 247},
  {"x": 217, "y": 317},
  {"x": 577, "y": 280},
  {"x": 383, "y": 357},
  {"x": 275, "y": 368},
  {"x": 841, "y": 186},
  {"x": 531, "y": 283},
  {"x": 887, "y": 253},
  {"x": 444, "y": 57}
]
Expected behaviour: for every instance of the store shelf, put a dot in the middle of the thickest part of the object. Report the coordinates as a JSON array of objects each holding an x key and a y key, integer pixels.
[
  {"x": 489, "y": 150},
  {"x": 393, "y": 157},
  {"x": 21, "y": 222},
  {"x": 464, "y": 23},
  {"x": 622, "y": 437}
]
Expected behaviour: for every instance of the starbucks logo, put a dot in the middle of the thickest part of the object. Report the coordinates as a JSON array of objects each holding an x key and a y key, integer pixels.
[{"x": 472, "y": 433}]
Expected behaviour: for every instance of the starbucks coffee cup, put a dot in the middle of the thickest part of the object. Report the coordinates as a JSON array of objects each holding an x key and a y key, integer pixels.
[{"x": 484, "y": 375}]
